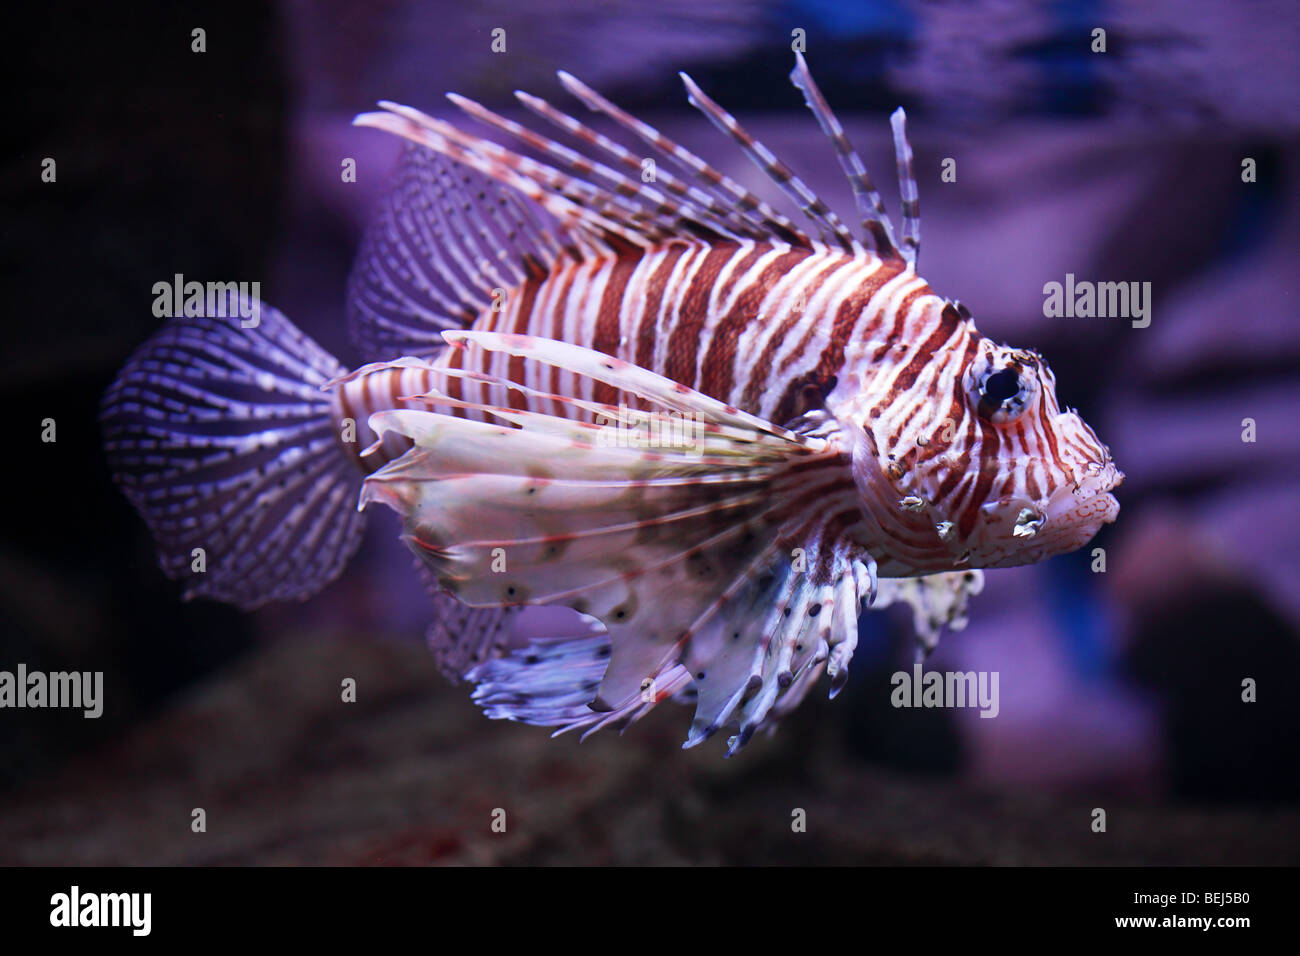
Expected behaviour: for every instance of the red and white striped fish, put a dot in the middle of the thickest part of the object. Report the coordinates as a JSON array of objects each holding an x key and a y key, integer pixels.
[{"x": 662, "y": 404}]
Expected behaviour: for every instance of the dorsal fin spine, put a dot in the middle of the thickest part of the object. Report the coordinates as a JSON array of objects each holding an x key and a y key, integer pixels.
[
  {"x": 827, "y": 222},
  {"x": 726, "y": 189},
  {"x": 705, "y": 203},
  {"x": 875, "y": 222}
]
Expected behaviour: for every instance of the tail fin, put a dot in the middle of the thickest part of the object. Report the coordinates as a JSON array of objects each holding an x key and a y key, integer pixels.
[{"x": 221, "y": 437}]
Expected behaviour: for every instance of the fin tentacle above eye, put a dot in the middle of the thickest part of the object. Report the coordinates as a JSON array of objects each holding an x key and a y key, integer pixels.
[
  {"x": 876, "y": 226},
  {"x": 827, "y": 222},
  {"x": 907, "y": 189}
]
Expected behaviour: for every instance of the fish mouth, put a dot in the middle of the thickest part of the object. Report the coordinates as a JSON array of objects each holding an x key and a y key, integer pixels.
[
  {"x": 1079, "y": 510},
  {"x": 1100, "y": 478},
  {"x": 1065, "y": 522}
]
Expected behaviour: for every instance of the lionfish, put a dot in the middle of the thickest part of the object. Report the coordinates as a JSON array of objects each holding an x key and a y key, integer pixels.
[{"x": 845, "y": 438}]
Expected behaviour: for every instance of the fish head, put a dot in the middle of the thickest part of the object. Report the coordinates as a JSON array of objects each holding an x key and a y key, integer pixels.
[
  {"x": 1047, "y": 478},
  {"x": 986, "y": 468}
]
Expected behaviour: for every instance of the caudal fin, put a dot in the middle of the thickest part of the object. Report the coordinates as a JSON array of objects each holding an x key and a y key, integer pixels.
[{"x": 221, "y": 437}]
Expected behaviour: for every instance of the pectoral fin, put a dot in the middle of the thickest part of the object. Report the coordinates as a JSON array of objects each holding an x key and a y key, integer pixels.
[{"x": 727, "y": 562}]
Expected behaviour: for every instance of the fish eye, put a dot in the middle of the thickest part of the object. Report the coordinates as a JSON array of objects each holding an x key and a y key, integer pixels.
[
  {"x": 1003, "y": 392},
  {"x": 1001, "y": 386}
]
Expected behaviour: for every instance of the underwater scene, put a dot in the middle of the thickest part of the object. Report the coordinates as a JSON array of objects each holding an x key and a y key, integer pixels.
[{"x": 733, "y": 432}]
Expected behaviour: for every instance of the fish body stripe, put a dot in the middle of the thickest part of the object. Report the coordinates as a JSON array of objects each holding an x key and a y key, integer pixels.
[
  {"x": 737, "y": 313},
  {"x": 737, "y": 321},
  {"x": 749, "y": 323},
  {"x": 360, "y": 396},
  {"x": 758, "y": 325}
]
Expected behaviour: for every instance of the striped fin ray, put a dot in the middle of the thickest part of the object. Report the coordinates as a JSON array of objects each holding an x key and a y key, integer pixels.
[
  {"x": 875, "y": 222},
  {"x": 623, "y": 376},
  {"x": 720, "y": 566},
  {"x": 907, "y": 188},
  {"x": 585, "y": 419},
  {"x": 571, "y": 182},
  {"x": 576, "y": 204},
  {"x": 496, "y": 390},
  {"x": 836, "y": 638},
  {"x": 828, "y": 223},
  {"x": 719, "y": 211},
  {"x": 663, "y": 212},
  {"x": 221, "y": 437},
  {"x": 434, "y": 252},
  {"x": 727, "y": 190}
]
